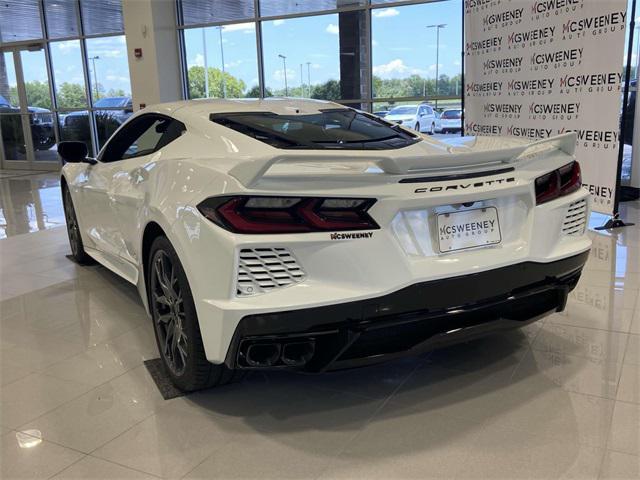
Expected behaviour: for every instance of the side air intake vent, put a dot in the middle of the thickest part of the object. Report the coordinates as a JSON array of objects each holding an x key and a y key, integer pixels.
[
  {"x": 576, "y": 219},
  {"x": 261, "y": 270}
]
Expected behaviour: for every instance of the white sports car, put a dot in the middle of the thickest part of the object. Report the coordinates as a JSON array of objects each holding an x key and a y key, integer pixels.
[{"x": 303, "y": 234}]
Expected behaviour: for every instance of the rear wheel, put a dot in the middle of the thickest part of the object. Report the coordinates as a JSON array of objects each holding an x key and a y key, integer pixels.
[
  {"x": 73, "y": 229},
  {"x": 176, "y": 326}
]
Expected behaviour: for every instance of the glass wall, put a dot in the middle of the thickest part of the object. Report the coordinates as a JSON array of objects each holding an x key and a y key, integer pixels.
[
  {"x": 369, "y": 54},
  {"x": 76, "y": 74}
]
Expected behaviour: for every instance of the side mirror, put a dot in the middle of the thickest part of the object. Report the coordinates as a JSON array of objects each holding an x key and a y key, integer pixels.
[{"x": 73, "y": 152}]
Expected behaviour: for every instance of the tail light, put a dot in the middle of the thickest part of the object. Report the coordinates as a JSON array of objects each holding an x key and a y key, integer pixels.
[
  {"x": 259, "y": 215},
  {"x": 560, "y": 182}
]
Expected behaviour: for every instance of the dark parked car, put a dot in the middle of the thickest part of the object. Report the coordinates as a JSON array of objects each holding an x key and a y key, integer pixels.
[
  {"x": 75, "y": 125},
  {"x": 41, "y": 121}
]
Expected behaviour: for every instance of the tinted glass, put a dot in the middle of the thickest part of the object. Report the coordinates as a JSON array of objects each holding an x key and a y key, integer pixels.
[
  {"x": 283, "y": 7},
  {"x": 451, "y": 114},
  {"x": 103, "y": 16},
  {"x": 331, "y": 129},
  {"x": 19, "y": 20},
  {"x": 61, "y": 17},
  {"x": 207, "y": 11}
]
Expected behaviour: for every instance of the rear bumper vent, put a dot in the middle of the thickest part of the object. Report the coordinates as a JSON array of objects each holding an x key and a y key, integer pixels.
[
  {"x": 261, "y": 270},
  {"x": 575, "y": 221}
]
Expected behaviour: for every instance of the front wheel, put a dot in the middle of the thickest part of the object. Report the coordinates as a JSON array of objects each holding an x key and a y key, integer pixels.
[
  {"x": 432, "y": 131},
  {"x": 417, "y": 127},
  {"x": 176, "y": 325},
  {"x": 73, "y": 229}
]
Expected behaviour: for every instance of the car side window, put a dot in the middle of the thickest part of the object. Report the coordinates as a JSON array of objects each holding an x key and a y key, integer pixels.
[{"x": 142, "y": 136}]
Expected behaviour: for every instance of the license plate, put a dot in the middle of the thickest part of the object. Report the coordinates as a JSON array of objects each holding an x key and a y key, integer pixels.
[{"x": 468, "y": 229}]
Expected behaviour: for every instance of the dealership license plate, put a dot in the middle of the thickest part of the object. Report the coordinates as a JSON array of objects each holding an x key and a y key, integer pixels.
[{"x": 468, "y": 229}]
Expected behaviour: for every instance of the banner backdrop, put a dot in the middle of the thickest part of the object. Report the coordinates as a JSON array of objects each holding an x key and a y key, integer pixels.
[{"x": 537, "y": 68}]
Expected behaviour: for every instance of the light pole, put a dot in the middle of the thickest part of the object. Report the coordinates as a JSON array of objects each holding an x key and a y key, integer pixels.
[
  {"x": 309, "y": 77},
  {"x": 95, "y": 74},
  {"x": 284, "y": 67},
  {"x": 301, "y": 83},
  {"x": 206, "y": 65},
  {"x": 224, "y": 80},
  {"x": 437, "y": 27}
]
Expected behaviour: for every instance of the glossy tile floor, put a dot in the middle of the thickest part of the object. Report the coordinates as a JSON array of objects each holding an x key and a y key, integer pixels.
[{"x": 559, "y": 399}]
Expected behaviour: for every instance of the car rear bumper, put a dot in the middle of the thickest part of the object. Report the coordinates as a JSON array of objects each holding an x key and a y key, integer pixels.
[{"x": 417, "y": 318}]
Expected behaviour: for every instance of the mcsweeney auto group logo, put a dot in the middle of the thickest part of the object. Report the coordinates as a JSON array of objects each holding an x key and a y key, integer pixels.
[
  {"x": 483, "y": 89},
  {"x": 507, "y": 18},
  {"x": 502, "y": 65},
  {"x": 542, "y": 9},
  {"x": 473, "y": 128},
  {"x": 595, "y": 26},
  {"x": 554, "y": 111},
  {"x": 474, "y": 6},
  {"x": 481, "y": 47},
  {"x": 534, "y": 86},
  {"x": 502, "y": 110},
  {"x": 590, "y": 82},
  {"x": 530, "y": 38},
  {"x": 566, "y": 58},
  {"x": 529, "y": 132}
]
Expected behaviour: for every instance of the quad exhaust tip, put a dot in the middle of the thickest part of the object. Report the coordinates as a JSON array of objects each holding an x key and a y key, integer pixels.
[{"x": 271, "y": 354}]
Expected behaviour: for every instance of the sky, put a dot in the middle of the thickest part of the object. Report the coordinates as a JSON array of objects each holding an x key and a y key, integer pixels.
[{"x": 402, "y": 46}]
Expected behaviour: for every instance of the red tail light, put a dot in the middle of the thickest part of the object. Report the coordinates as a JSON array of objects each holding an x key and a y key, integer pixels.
[
  {"x": 560, "y": 182},
  {"x": 256, "y": 215}
]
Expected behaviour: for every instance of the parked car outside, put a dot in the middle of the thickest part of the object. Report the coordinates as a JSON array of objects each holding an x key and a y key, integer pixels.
[
  {"x": 450, "y": 121},
  {"x": 421, "y": 118},
  {"x": 40, "y": 120}
]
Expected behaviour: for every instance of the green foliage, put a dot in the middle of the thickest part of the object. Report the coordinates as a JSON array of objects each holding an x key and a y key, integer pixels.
[
  {"x": 37, "y": 94},
  {"x": 234, "y": 86},
  {"x": 71, "y": 95}
]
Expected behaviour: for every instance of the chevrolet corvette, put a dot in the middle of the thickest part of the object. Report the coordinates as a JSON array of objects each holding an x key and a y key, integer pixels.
[{"x": 301, "y": 234}]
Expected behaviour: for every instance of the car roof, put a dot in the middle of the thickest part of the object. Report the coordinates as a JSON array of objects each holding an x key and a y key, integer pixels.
[{"x": 278, "y": 105}]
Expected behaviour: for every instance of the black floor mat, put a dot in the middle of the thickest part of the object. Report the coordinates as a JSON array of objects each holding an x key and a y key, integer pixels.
[{"x": 167, "y": 389}]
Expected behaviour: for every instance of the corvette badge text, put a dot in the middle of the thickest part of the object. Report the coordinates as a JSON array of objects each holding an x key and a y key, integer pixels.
[
  {"x": 464, "y": 186},
  {"x": 349, "y": 236}
]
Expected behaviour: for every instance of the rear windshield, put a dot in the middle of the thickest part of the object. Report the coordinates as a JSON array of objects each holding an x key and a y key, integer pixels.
[
  {"x": 403, "y": 111},
  {"x": 330, "y": 129},
  {"x": 451, "y": 114}
]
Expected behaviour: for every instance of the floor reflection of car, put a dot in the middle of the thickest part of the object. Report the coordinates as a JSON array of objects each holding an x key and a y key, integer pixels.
[
  {"x": 450, "y": 121},
  {"x": 75, "y": 125},
  {"x": 422, "y": 118},
  {"x": 41, "y": 121}
]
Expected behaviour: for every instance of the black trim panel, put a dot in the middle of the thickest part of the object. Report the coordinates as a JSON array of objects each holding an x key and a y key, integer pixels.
[
  {"x": 418, "y": 317},
  {"x": 457, "y": 176}
]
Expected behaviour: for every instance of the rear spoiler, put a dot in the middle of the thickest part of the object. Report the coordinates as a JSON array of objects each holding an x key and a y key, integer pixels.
[{"x": 250, "y": 171}]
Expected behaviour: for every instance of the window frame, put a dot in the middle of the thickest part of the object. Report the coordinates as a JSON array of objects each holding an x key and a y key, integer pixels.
[{"x": 125, "y": 127}]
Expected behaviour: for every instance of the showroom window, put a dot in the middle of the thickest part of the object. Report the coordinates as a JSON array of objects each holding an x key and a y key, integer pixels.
[
  {"x": 71, "y": 82},
  {"x": 406, "y": 66},
  {"x": 341, "y": 50},
  {"x": 228, "y": 54}
]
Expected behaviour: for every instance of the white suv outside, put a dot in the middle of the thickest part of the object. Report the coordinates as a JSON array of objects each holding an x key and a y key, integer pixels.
[{"x": 422, "y": 118}]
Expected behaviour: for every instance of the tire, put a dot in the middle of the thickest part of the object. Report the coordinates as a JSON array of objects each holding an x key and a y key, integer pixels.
[
  {"x": 174, "y": 316},
  {"x": 73, "y": 230},
  {"x": 417, "y": 127},
  {"x": 432, "y": 130}
]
